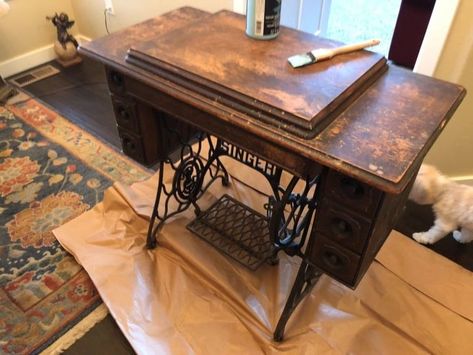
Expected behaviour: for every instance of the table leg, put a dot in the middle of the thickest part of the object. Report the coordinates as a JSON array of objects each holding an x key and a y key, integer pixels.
[
  {"x": 187, "y": 186},
  {"x": 306, "y": 279},
  {"x": 289, "y": 216},
  {"x": 289, "y": 225}
]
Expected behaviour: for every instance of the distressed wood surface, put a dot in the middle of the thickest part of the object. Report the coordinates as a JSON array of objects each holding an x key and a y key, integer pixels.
[
  {"x": 216, "y": 55},
  {"x": 114, "y": 47},
  {"x": 379, "y": 139}
]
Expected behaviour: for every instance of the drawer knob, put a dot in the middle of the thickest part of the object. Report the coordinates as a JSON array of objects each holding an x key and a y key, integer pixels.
[
  {"x": 352, "y": 188},
  {"x": 332, "y": 260},
  {"x": 341, "y": 228},
  {"x": 117, "y": 79},
  {"x": 128, "y": 145},
  {"x": 123, "y": 113}
]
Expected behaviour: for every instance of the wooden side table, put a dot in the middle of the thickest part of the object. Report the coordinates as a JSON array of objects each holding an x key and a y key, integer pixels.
[{"x": 356, "y": 150}]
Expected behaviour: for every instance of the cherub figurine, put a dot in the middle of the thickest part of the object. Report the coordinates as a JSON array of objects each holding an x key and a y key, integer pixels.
[{"x": 62, "y": 24}]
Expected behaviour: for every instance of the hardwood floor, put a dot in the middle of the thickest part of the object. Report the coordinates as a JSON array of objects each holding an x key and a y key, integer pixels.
[
  {"x": 80, "y": 94},
  {"x": 419, "y": 218}
]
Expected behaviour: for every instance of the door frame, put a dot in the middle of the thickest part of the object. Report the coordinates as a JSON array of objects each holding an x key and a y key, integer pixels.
[{"x": 436, "y": 35}]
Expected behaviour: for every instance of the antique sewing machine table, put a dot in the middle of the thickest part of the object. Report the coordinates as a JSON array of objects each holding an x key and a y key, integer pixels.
[{"x": 351, "y": 132}]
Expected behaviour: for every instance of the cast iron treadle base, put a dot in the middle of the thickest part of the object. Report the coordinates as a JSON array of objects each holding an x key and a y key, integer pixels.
[{"x": 236, "y": 230}]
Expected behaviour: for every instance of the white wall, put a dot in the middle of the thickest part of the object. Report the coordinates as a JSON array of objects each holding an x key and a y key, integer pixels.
[
  {"x": 89, "y": 13},
  {"x": 26, "y": 37},
  {"x": 25, "y": 29},
  {"x": 453, "y": 151}
]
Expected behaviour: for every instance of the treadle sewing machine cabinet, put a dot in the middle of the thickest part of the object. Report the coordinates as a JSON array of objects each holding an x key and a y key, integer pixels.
[{"x": 353, "y": 130}]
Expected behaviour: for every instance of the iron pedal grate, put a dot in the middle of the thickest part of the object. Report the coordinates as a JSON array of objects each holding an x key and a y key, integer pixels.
[{"x": 236, "y": 230}]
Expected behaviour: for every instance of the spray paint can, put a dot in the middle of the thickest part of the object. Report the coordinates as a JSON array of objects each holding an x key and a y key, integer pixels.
[{"x": 262, "y": 18}]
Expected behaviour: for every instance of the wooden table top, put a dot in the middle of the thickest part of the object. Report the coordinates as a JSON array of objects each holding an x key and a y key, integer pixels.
[
  {"x": 217, "y": 55},
  {"x": 379, "y": 139}
]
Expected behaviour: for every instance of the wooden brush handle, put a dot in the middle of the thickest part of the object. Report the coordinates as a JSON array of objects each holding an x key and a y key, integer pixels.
[
  {"x": 355, "y": 47},
  {"x": 327, "y": 53}
]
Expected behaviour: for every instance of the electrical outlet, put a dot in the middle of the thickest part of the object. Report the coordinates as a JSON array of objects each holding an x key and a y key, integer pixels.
[{"x": 109, "y": 7}]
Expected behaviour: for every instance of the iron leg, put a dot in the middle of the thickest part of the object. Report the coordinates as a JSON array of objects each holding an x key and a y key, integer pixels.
[
  {"x": 307, "y": 277},
  {"x": 151, "y": 241}
]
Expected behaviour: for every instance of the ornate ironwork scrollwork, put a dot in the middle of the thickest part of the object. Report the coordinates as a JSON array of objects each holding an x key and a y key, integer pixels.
[
  {"x": 187, "y": 179},
  {"x": 291, "y": 214},
  {"x": 187, "y": 186},
  {"x": 289, "y": 211}
]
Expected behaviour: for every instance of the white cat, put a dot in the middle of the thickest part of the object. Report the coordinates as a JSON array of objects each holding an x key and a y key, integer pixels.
[{"x": 452, "y": 205}]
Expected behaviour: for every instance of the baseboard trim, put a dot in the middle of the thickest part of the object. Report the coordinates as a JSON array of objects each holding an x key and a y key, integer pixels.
[
  {"x": 466, "y": 180},
  {"x": 27, "y": 60},
  {"x": 31, "y": 59},
  {"x": 82, "y": 38}
]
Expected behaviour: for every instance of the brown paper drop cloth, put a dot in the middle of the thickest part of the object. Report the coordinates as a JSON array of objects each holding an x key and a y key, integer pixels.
[{"x": 185, "y": 297}]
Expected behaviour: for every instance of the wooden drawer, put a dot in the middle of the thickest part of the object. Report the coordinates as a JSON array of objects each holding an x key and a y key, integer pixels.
[
  {"x": 125, "y": 113},
  {"x": 340, "y": 263},
  {"x": 352, "y": 194},
  {"x": 347, "y": 229},
  {"x": 132, "y": 146},
  {"x": 116, "y": 81}
]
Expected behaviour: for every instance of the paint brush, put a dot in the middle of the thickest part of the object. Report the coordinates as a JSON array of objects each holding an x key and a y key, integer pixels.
[{"x": 317, "y": 55}]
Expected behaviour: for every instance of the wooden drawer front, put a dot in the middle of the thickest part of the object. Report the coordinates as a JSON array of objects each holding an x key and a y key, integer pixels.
[
  {"x": 340, "y": 263},
  {"x": 132, "y": 146},
  {"x": 116, "y": 81},
  {"x": 347, "y": 229},
  {"x": 125, "y": 113},
  {"x": 352, "y": 194}
]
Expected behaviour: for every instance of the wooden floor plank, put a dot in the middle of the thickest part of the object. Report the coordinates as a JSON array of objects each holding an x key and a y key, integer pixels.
[{"x": 80, "y": 93}]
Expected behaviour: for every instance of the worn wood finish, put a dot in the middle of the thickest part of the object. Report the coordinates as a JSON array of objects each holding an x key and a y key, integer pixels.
[
  {"x": 346, "y": 228},
  {"x": 390, "y": 209},
  {"x": 368, "y": 154},
  {"x": 415, "y": 218},
  {"x": 377, "y": 140},
  {"x": 215, "y": 58},
  {"x": 340, "y": 263},
  {"x": 114, "y": 47},
  {"x": 195, "y": 116},
  {"x": 137, "y": 123},
  {"x": 371, "y": 150},
  {"x": 350, "y": 227},
  {"x": 354, "y": 195}
]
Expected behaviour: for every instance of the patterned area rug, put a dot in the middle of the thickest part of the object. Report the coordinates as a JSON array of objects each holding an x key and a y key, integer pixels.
[{"x": 50, "y": 172}]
